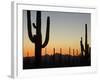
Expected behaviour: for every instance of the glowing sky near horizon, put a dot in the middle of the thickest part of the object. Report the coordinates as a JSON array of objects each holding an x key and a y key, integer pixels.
[{"x": 66, "y": 28}]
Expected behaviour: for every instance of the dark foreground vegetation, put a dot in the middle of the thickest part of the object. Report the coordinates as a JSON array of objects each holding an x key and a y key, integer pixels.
[{"x": 56, "y": 60}]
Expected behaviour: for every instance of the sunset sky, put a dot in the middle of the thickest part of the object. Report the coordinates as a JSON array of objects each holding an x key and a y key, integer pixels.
[{"x": 66, "y": 29}]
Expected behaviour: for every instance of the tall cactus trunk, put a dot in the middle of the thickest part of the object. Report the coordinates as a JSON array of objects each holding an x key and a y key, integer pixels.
[
  {"x": 77, "y": 52},
  {"x": 73, "y": 52},
  {"x": 69, "y": 51},
  {"x": 86, "y": 43},
  {"x": 37, "y": 38},
  {"x": 82, "y": 46},
  {"x": 60, "y": 50},
  {"x": 54, "y": 51},
  {"x": 54, "y": 55},
  {"x": 38, "y": 41}
]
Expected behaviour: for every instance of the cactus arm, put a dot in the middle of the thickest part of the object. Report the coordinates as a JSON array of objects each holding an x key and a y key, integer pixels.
[
  {"x": 31, "y": 37},
  {"x": 34, "y": 25},
  {"x": 47, "y": 33}
]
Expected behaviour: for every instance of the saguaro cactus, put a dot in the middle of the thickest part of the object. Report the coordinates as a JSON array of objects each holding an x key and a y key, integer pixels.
[
  {"x": 82, "y": 46},
  {"x": 86, "y": 43},
  {"x": 73, "y": 52},
  {"x": 60, "y": 50},
  {"x": 77, "y": 52},
  {"x": 37, "y": 38},
  {"x": 69, "y": 50},
  {"x": 54, "y": 51}
]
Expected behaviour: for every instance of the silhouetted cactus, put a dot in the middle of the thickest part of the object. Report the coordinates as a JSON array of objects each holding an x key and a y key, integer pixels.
[
  {"x": 69, "y": 50},
  {"x": 37, "y": 38},
  {"x": 60, "y": 56},
  {"x": 73, "y": 52},
  {"x": 54, "y": 55},
  {"x": 82, "y": 46},
  {"x": 76, "y": 51},
  {"x": 86, "y": 43},
  {"x": 54, "y": 51},
  {"x": 60, "y": 50}
]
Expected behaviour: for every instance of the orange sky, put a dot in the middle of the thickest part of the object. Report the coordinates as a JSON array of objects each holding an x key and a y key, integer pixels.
[
  {"x": 28, "y": 47},
  {"x": 29, "y": 50}
]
